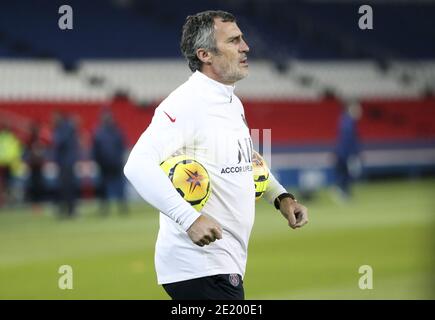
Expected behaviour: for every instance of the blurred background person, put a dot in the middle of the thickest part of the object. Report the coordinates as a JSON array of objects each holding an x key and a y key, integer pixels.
[
  {"x": 108, "y": 151},
  {"x": 35, "y": 156},
  {"x": 10, "y": 160},
  {"x": 347, "y": 160},
  {"x": 65, "y": 153}
]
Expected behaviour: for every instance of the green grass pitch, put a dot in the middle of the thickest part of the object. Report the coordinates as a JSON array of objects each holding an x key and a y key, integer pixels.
[{"x": 388, "y": 226}]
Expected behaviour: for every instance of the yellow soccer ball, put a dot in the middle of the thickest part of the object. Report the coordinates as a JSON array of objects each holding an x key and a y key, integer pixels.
[
  {"x": 189, "y": 178},
  {"x": 261, "y": 174}
]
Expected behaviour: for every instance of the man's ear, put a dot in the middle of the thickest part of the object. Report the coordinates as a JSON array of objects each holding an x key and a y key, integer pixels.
[{"x": 204, "y": 56}]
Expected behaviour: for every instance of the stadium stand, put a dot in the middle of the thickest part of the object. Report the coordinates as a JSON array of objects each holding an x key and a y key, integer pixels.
[
  {"x": 356, "y": 79},
  {"x": 43, "y": 80},
  {"x": 154, "y": 79},
  {"x": 294, "y": 29}
]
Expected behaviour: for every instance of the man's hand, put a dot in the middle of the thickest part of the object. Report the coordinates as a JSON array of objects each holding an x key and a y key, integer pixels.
[
  {"x": 204, "y": 231},
  {"x": 295, "y": 213}
]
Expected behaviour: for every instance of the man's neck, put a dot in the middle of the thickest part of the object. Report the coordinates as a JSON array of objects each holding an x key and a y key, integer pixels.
[{"x": 213, "y": 75}]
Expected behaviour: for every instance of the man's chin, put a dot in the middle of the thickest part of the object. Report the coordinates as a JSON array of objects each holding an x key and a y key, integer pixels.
[{"x": 244, "y": 72}]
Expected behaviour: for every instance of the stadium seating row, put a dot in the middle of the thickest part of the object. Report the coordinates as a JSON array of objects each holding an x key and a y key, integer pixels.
[
  {"x": 150, "y": 80},
  {"x": 43, "y": 80}
]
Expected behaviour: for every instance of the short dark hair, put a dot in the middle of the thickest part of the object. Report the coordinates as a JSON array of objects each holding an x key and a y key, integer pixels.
[{"x": 198, "y": 32}]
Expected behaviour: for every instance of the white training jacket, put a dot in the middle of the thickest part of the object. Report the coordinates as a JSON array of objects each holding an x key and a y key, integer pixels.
[{"x": 204, "y": 119}]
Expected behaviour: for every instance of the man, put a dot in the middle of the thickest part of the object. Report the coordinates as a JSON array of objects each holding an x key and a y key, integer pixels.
[
  {"x": 35, "y": 155},
  {"x": 347, "y": 161},
  {"x": 108, "y": 152},
  {"x": 203, "y": 118},
  {"x": 66, "y": 153},
  {"x": 10, "y": 159}
]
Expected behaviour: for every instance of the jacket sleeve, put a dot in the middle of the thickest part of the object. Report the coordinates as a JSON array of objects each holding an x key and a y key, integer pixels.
[
  {"x": 274, "y": 189},
  {"x": 160, "y": 140}
]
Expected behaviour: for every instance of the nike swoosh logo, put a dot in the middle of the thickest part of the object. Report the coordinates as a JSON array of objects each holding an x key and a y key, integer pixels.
[{"x": 170, "y": 118}]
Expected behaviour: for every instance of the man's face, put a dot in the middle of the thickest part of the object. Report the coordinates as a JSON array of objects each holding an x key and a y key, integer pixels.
[{"x": 230, "y": 63}]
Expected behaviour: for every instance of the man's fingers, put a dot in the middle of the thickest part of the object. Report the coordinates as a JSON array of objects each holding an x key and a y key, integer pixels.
[
  {"x": 301, "y": 224},
  {"x": 209, "y": 238},
  {"x": 217, "y": 232},
  {"x": 293, "y": 226},
  {"x": 204, "y": 231},
  {"x": 291, "y": 220},
  {"x": 304, "y": 220},
  {"x": 301, "y": 218},
  {"x": 202, "y": 242}
]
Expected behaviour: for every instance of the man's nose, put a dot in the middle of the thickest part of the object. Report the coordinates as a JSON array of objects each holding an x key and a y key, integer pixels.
[{"x": 244, "y": 46}]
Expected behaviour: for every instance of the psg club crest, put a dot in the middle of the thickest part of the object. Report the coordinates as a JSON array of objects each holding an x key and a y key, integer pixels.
[{"x": 234, "y": 279}]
